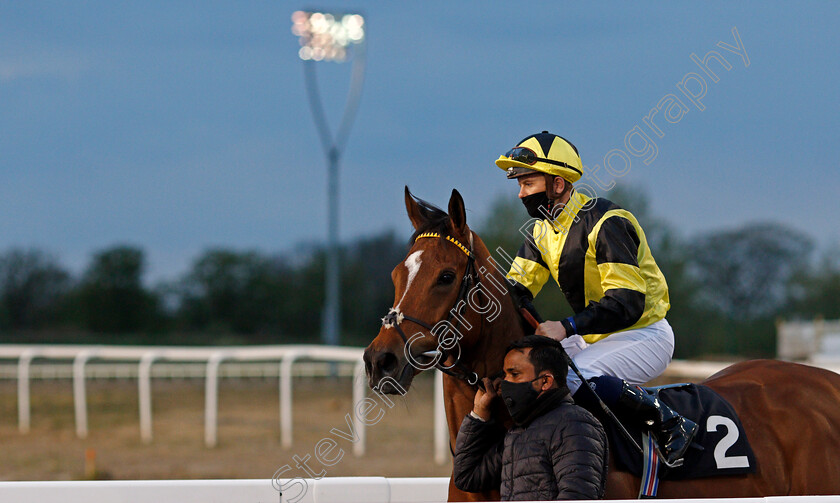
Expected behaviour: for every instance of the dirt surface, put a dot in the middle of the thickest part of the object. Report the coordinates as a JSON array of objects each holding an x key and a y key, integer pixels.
[{"x": 400, "y": 445}]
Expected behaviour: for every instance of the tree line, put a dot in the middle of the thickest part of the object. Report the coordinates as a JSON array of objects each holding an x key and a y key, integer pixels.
[{"x": 727, "y": 289}]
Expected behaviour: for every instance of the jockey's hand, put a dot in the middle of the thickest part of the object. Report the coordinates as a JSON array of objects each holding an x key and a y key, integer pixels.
[
  {"x": 552, "y": 329},
  {"x": 484, "y": 398}
]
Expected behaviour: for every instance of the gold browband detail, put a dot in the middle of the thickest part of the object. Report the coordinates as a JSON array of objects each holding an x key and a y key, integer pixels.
[{"x": 448, "y": 238}]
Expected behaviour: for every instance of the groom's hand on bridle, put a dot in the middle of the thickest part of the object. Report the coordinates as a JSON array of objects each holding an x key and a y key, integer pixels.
[{"x": 485, "y": 397}]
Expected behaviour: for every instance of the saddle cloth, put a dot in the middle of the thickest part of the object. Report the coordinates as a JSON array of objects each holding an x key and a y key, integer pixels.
[{"x": 724, "y": 450}]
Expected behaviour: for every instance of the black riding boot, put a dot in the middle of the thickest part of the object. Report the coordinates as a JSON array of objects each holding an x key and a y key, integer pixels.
[{"x": 673, "y": 433}]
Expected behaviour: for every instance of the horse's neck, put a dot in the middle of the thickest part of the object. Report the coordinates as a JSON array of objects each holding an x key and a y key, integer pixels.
[
  {"x": 495, "y": 336},
  {"x": 485, "y": 358},
  {"x": 486, "y": 355}
]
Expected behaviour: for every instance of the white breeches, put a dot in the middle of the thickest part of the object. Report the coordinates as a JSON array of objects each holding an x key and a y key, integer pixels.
[{"x": 637, "y": 355}]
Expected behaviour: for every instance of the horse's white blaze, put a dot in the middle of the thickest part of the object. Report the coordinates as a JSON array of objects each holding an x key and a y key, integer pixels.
[{"x": 412, "y": 263}]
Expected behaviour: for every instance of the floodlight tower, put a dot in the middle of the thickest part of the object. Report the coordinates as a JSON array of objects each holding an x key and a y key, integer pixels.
[{"x": 331, "y": 37}]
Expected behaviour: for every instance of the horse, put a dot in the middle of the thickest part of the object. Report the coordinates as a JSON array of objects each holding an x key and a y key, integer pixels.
[{"x": 790, "y": 412}]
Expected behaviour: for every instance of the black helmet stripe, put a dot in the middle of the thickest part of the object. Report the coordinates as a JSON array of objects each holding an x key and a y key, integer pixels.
[{"x": 545, "y": 139}]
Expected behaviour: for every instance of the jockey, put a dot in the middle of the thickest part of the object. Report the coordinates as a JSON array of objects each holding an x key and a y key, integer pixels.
[{"x": 597, "y": 252}]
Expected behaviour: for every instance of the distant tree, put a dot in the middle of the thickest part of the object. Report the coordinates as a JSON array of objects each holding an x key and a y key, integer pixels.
[
  {"x": 303, "y": 300},
  {"x": 634, "y": 199},
  {"x": 111, "y": 295},
  {"x": 745, "y": 272},
  {"x": 269, "y": 299},
  {"x": 744, "y": 278},
  {"x": 240, "y": 292},
  {"x": 817, "y": 288},
  {"x": 32, "y": 285},
  {"x": 367, "y": 288}
]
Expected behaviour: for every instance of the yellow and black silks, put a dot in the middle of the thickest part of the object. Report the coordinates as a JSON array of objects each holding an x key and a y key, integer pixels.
[{"x": 598, "y": 254}]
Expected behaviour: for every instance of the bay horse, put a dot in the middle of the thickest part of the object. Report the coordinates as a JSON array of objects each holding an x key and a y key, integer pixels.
[{"x": 790, "y": 412}]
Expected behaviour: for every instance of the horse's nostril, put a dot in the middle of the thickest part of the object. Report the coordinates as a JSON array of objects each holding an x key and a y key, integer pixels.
[{"x": 387, "y": 362}]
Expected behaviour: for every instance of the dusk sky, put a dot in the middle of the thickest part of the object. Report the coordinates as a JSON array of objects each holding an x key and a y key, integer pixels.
[{"x": 177, "y": 126}]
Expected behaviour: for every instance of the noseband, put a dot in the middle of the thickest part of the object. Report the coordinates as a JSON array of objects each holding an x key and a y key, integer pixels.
[{"x": 395, "y": 317}]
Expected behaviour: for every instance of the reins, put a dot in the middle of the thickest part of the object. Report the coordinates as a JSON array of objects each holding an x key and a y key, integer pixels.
[{"x": 532, "y": 320}]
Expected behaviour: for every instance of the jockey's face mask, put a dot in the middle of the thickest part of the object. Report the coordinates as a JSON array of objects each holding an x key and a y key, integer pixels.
[{"x": 534, "y": 202}]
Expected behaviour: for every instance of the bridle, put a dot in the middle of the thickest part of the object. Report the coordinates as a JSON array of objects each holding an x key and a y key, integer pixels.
[{"x": 395, "y": 317}]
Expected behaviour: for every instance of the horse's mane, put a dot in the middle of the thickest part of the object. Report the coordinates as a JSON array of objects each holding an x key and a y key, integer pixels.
[{"x": 435, "y": 219}]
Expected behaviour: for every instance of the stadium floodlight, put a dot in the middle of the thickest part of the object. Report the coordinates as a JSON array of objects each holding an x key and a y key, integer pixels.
[{"x": 327, "y": 36}]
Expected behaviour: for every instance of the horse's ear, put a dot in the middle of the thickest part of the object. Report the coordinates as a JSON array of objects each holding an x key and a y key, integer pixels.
[
  {"x": 457, "y": 213},
  {"x": 413, "y": 210}
]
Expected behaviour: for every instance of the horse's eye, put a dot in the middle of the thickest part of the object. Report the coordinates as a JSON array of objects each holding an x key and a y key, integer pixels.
[{"x": 446, "y": 278}]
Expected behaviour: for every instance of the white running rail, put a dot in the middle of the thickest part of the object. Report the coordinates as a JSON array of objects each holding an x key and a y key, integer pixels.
[
  {"x": 326, "y": 490},
  {"x": 329, "y": 489},
  {"x": 212, "y": 357}
]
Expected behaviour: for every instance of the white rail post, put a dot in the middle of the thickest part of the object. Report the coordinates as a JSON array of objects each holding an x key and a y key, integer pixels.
[
  {"x": 144, "y": 398},
  {"x": 79, "y": 396},
  {"x": 441, "y": 426},
  {"x": 211, "y": 398},
  {"x": 23, "y": 389},
  {"x": 286, "y": 397},
  {"x": 359, "y": 393}
]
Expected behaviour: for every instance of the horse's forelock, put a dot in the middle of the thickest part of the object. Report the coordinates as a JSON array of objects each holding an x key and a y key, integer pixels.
[{"x": 435, "y": 220}]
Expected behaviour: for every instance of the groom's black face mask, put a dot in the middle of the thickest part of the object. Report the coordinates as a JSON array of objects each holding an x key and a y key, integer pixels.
[{"x": 520, "y": 398}]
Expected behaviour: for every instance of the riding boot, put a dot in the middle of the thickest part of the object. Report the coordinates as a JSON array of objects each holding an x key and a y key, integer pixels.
[{"x": 672, "y": 432}]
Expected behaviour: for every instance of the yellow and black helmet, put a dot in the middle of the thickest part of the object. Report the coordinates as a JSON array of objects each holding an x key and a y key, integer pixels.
[{"x": 543, "y": 152}]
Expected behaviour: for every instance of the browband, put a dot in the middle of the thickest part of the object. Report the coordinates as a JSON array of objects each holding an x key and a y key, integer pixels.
[{"x": 448, "y": 238}]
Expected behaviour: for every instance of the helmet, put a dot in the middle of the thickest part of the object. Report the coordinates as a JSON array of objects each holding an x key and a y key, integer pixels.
[{"x": 544, "y": 153}]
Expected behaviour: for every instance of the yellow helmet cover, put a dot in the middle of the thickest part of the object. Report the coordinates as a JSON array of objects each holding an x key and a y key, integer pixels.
[{"x": 543, "y": 152}]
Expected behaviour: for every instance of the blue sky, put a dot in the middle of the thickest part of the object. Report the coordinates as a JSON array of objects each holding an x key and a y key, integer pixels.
[{"x": 180, "y": 126}]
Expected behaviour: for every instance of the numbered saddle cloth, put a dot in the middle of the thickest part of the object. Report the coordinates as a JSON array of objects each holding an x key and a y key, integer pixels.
[{"x": 725, "y": 449}]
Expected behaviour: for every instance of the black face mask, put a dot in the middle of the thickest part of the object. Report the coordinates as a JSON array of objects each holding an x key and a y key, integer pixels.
[
  {"x": 534, "y": 202},
  {"x": 520, "y": 398}
]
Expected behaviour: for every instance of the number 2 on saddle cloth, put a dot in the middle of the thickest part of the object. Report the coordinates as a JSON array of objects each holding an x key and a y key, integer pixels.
[{"x": 719, "y": 448}]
